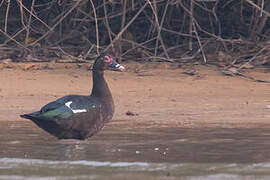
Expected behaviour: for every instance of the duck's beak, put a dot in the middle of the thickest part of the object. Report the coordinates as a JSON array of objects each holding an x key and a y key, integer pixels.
[{"x": 115, "y": 66}]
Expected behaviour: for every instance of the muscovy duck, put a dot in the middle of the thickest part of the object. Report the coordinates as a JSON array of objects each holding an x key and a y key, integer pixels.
[{"x": 76, "y": 116}]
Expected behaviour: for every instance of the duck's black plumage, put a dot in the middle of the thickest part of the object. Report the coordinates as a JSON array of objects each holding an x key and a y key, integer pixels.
[{"x": 79, "y": 117}]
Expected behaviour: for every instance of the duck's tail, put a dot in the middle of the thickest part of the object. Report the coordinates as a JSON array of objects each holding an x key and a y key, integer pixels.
[{"x": 31, "y": 116}]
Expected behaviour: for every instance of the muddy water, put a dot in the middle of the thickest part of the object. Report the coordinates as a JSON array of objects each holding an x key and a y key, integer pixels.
[{"x": 26, "y": 152}]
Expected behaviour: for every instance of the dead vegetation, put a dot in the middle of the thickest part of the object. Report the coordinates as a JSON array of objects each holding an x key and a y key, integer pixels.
[{"x": 229, "y": 33}]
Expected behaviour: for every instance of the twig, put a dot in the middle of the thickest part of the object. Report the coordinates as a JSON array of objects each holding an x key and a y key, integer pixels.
[
  {"x": 160, "y": 58},
  {"x": 123, "y": 20},
  {"x": 22, "y": 6},
  {"x": 259, "y": 8},
  {"x": 125, "y": 28},
  {"x": 191, "y": 24},
  {"x": 137, "y": 45},
  {"x": 254, "y": 57},
  {"x": 161, "y": 25},
  {"x": 154, "y": 10},
  {"x": 2, "y": 3},
  {"x": 29, "y": 22},
  {"x": 95, "y": 15},
  {"x": 262, "y": 7},
  {"x": 199, "y": 42},
  {"x": 21, "y": 12},
  {"x": 16, "y": 34},
  {"x": 89, "y": 50},
  {"x": 14, "y": 40},
  {"x": 235, "y": 72},
  {"x": 177, "y": 33},
  {"x": 107, "y": 25},
  {"x": 6, "y": 17},
  {"x": 59, "y": 21}
]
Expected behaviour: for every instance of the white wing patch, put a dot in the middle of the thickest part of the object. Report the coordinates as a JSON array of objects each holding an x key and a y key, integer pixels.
[{"x": 74, "y": 110}]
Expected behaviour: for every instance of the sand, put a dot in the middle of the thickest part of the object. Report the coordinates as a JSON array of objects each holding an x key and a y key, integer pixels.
[{"x": 155, "y": 95}]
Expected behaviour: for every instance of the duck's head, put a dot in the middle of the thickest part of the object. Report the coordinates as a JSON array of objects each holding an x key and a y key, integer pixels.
[{"x": 106, "y": 62}]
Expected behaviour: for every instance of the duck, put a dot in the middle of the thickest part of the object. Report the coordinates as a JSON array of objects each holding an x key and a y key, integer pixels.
[{"x": 80, "y": 116}]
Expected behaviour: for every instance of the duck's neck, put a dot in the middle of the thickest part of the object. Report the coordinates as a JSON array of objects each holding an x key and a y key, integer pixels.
[
  {"x": 102, "y": 92},
  {"x": 100, "y": 88}
]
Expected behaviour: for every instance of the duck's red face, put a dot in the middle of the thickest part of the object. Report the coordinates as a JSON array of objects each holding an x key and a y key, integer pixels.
[
  {"x": 108, "y": 59},
  {"x": 105, "y": 61}
]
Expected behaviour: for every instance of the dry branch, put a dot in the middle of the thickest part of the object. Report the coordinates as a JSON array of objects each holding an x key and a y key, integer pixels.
[
  {"x": 125, "y": 28},
  {"x": 95, "y": 15},
  {"x": 151, "y": 29}
]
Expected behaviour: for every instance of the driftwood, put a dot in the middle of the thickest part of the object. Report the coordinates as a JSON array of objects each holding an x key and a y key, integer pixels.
[{"x": 236, "y": 73}]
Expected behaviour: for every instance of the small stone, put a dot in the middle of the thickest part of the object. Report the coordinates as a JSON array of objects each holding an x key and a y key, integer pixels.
[{"x": 129, "y": 113}]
